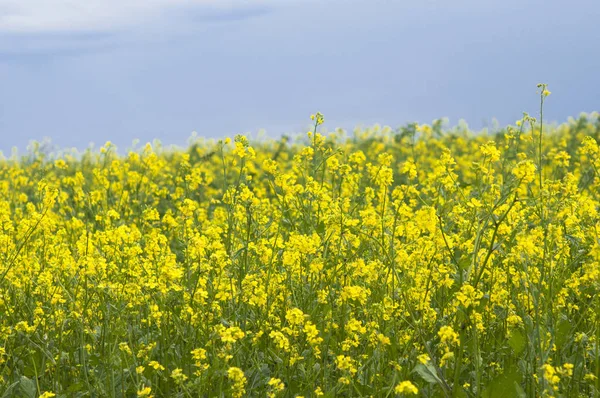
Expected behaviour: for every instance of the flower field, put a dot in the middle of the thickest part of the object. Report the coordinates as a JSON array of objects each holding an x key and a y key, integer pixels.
[{"x": 420, "y": 261}]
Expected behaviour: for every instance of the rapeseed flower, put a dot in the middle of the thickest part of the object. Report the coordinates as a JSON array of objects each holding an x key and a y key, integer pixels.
[{"x": 357, "y": 260}]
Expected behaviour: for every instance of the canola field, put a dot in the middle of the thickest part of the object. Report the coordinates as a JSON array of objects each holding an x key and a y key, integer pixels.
[{"x": 420, "y": 261}]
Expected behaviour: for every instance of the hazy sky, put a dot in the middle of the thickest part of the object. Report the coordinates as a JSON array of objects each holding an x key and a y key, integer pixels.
[{"x": 95, "y": 70}]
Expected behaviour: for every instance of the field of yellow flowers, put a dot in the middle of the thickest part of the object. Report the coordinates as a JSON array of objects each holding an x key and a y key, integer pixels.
[{"x": 409, "y": 262}]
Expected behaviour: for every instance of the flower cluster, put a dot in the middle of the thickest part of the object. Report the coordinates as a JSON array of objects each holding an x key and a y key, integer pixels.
[{"x": 422, "y": 260}]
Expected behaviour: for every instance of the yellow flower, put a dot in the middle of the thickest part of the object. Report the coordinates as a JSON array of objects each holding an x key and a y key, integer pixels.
[
  {"x": 468, "y": 295},
  {"x": 61, "y": 164},
  {"x": 236, "y": 375},
  {"x": 525, "y": 171},
  {"x": 231, "y": 334},
  {"x": 24, "y": 327},
  {"x": 357, "y": 293},
  {"x": 295, "y": 316},
  {"x": 346, "y": 363},
  {"x": 406, "y": 387},
  {"x": 280, "y": 340},
  {"x": 567, "y": 369},
  {"x": 178, "y": 376},
  {"x": 448, "y": 335},
  {"x": 199, "y": 354},
  {"x": 424, "y": 359},
  {"x": 276, "y": 386},
  {"x": 550, "y": 374},
  {"x": 490, "y": 151},
  {"x": 144, "y": 392},
  {"x": 155, "y": 365},
  {"x": 318, "y": 118}
]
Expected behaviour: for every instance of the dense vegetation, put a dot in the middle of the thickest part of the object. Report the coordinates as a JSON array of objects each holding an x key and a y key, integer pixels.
[{"x": 420, "y": 261}]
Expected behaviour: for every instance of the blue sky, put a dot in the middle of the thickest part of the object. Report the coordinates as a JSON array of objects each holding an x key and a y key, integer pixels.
[{"x": 98, "y": 70}]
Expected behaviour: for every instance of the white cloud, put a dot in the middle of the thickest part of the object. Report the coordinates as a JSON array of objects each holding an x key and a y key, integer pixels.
[{"x": 40, "y": 16}]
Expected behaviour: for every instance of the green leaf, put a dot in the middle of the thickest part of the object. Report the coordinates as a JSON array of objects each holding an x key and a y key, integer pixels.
[
  {"x": 9, "y": 392},
  {"x": 517, "y": 341},
  {"x": 507, "y": 385},
  {"x": 460, "y": 393},
  {"x": 75, "y": 387},
  {"x": 428, "y": 373},
  {"x": 34, "y": 365},
  {"x": 519, "y": 390},
  {"x": 561, "y": 336},
  {"x": 27, "y": 388}
]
